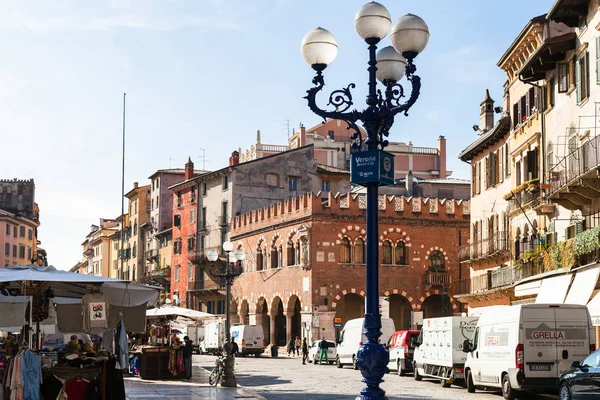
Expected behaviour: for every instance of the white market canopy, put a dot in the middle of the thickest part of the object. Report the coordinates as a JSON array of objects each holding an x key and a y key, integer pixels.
[
  {"x": 178, "y": 312},
  {"x": 74, "y": 285}
]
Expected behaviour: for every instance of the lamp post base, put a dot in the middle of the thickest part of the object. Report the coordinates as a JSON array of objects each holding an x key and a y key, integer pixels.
[
  {"x": 228, "y": 379},
  {"x": 372, "y": 360}
]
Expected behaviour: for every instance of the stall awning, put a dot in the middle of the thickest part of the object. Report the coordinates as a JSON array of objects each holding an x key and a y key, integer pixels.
[
  {"x": 179, "y": 312},
  {"x": 528, "y": 288},
  {"x": 554, "y": 290},
  {"x": 70, "y": 284},
  {"x": 583, "y": 286}
]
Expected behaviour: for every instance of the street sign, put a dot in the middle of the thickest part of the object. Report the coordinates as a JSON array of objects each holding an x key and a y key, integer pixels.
[
  {"x": 374, "y": 166},
  {"x": 337, "y": 322}
]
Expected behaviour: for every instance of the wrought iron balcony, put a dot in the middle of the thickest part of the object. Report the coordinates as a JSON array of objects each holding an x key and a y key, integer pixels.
[
  {"x": 524, "y": 198},
  {"x": 196, "y": 257},
  {"x": 496, "y": 246},
  {"x": 475, "y": 284},
  {"x": 508, "y": 276},
  {"x": 574, "y": 179}
]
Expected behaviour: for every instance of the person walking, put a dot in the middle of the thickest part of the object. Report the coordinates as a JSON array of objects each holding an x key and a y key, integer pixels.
[
  {"x": 298, "y": 344},
  {"x": 290, "y": 346},
  {"x": 234, "y": 351},
  {"x": 323, "y": 348},
  {"x": 188, "y": 350},
  {"x": 304, "y": 351}
]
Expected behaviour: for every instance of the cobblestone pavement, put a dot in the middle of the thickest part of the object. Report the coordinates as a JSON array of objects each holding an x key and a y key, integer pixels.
[{"x": 286, "y": 378}]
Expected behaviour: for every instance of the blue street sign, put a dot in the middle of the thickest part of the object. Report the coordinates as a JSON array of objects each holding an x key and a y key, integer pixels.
[{"x": 375, "y": 166}]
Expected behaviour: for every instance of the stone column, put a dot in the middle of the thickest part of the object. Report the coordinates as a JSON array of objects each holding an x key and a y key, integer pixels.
[
  {"x": 272, "y": 329},
  {"x": 288, "y": 327}
]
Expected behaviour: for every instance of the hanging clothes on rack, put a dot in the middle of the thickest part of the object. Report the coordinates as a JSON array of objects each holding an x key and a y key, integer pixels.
[
  {"x": 121, "y": 350},
  {"x": 76, "y": 389},
  {"x": 95, "y": 307},
  {"x": 24, "y": 377}
]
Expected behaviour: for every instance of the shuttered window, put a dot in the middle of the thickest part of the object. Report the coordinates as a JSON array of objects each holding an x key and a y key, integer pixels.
[
  {"x": 563, "y": 77},
  {"x": 578, "y": 78},
  {"x": 598, "y": 60}
]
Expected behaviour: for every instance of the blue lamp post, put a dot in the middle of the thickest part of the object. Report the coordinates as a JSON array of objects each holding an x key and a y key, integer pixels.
[{"x": 370, "y": 165}]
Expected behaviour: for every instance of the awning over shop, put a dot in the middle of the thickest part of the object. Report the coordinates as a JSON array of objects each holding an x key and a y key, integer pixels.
[
  {"x": 583, "y": 286},
  {"x": 528, "y": 288},
  {"x": 594, "y": 308},
  {"x": 554, "y": 290},
  {"x": 179, "y": 312}
]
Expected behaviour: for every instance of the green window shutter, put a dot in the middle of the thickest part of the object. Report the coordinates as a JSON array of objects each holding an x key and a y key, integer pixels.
[
  {"x": 578, "y": 78},
  {"x": 598, "y": 60},
  {"x": 587, "y": 74}
]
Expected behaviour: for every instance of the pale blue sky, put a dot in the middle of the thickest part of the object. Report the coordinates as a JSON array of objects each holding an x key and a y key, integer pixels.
[{"x": 207, "y": 74}]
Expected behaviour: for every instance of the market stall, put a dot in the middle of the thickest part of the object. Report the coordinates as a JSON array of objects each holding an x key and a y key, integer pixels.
[
  {"x": 160, "y": 355},
  {"x": 79, "y": 303}
]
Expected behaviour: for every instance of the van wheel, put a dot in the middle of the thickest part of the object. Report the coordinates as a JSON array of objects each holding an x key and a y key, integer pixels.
[
  {"x": 507, "y": 391},
  {"x": 469, "y": 383},
  {"x": 338, "y": 363},
  {"x": 401, "y": 371},
  {"x": 416, "y": 373},
  {"x": 565, "y": 392},
  {"x": 354, "y": 365}
]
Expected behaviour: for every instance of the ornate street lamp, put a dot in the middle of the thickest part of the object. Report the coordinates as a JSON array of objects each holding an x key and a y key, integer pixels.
[
  {"x": 370, "y": 165},
  {"x": 227, "y": 270}
]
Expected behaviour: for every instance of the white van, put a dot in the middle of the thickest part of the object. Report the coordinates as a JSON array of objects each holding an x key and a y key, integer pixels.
[
  {"x": 352, "y": 337},
  {"x": 249, "y": 338},
  {"x": 527, "y": 347}
]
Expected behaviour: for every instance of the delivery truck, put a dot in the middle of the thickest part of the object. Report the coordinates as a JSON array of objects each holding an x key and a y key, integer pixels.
[
  {"x": 527, "y": 347},
  {"x": 196, "y": 335},
  {"x": 214, "y": 338},
  {"x": 439, "y": 349}
]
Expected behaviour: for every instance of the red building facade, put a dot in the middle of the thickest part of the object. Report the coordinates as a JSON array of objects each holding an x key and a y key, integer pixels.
[{"x": 305, "y": 263}]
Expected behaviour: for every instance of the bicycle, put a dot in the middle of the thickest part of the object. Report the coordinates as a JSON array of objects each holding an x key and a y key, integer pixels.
[{"x": 217, "y": 373}]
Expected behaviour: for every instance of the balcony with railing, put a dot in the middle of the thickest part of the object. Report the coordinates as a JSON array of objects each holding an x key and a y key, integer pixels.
[
  {"x": 525, "y": 196},
  {"x": 223, "y": 220},
  {"x": 574, "y": 180},
  {"x": 151, "y": 254},
  {"x": 439, "y": 278},
  {"x": 496, "y": 246}
]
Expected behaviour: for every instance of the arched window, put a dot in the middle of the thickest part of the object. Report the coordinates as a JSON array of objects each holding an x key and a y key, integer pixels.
[
  {"x": 359, "y": 251},
  {"x": 291, "y": 253},
  {"x": 259, "y": 259},
  {"x": 550, "y": 155},
  {"x": 400, "y": 254},
  {"x": 345, "y": 251},
  {"x": 387, "y": 253},
  {"x": 274, "y": 257},
  {"x": 436, "y": 261}
]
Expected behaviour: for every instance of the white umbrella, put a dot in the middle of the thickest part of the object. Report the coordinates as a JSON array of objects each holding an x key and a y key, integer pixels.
[{"x": 178, "y": 312}]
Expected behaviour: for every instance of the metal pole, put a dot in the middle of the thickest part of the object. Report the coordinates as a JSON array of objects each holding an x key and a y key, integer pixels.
[
  {"x": 122, "y": 246},
  {"x": 228, "y": 376}
]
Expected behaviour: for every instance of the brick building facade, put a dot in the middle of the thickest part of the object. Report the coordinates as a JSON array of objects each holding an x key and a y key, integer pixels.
[{"x": 305, "y": 262}]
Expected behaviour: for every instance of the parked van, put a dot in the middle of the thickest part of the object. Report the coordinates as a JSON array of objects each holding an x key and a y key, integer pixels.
[
  {"x": 438, "y": 351},
  {"x": 249, "y": 338},
  {"x": 214, "y": 338},
  {"x": 527, "y": 347},
  {"x": 352, "y": 337},
  {"x": 401, "y": 351}
]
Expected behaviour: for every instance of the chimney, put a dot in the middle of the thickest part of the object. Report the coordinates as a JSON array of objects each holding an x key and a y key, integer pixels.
[
  {"x": 409, "y": 184},
  {"x": 235, "y": 158},
  {"x": 442, "y": 156},
  {"x": 135, "y": 185},
  {"x": 189, "y": 169},
  {"x": 302, "y": 135},
  {"x": 486, "y": 114},
  {"x": 258, "y": 136}
]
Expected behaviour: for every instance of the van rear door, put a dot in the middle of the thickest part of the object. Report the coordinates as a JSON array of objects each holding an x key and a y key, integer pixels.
[
  {"x": 540, "y": 338},
  {"x": 573, "y": 341}
]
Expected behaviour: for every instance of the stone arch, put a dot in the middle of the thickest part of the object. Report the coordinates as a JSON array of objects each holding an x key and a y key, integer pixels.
[
  {"x": 294, "y": 317},
  {"x": 244, "y": 312},
  {"x": 263, "y": 318},
  {"x": 278, "y": 327},
  {"x": 233, "y": 311},
  {"x": 400, "y": 310},
  {"x": 394, "y": 232},
  {"x": 432, "y": 304},
  {"x": 349, "y": 305}
]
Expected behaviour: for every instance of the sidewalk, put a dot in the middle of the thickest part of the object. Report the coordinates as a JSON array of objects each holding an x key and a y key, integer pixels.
[{"x": 196, "y": 389}]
